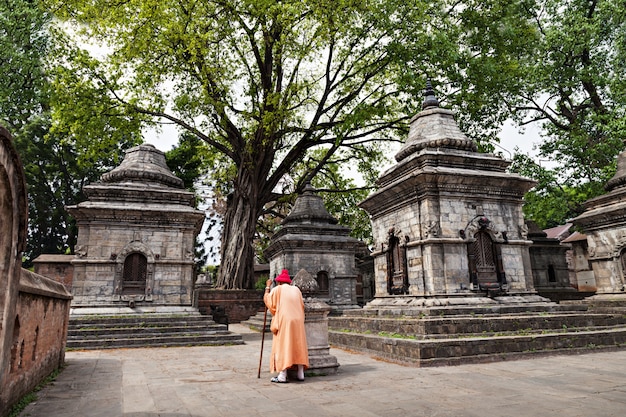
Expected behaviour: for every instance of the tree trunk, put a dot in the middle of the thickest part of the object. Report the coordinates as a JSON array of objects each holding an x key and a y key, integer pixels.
[{"x": 237, "y": 254}]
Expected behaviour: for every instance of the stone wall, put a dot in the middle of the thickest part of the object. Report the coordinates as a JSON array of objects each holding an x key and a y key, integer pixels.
[
  {"x": 437, "y": 254},
  {"x": 34, "y": 310},
  {"x": 99, "y": 263},
  {"x": 237, "y": 305}
]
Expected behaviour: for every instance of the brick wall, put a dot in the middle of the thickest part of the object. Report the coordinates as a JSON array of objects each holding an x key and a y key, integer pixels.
[
  {"x": 56, "y": 267},
  {"x": 238, "y": 305},
  {"x": 38, "y": 335}
]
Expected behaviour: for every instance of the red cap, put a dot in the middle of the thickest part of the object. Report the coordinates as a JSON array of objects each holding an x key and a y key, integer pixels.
[{"x": 284, "y": 277}]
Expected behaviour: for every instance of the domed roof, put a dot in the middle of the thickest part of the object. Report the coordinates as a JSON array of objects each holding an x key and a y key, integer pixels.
[
  {"x": 309, "y": 208},
  {"x": 434, "y": 127},
  {"x": 143, "y": 163},
  {"x": 619, "y": 179}
]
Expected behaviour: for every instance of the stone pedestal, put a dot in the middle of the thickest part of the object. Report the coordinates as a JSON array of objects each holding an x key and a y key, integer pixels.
[{"x": 316, "y": 324}]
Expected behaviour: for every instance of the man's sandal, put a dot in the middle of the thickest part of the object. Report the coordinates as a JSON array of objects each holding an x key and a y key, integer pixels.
[{"x": 275, "y": 379}]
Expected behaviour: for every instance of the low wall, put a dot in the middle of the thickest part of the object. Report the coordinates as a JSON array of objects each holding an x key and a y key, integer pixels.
[
  {"x": 237, "y": 305},
  {"x": 39, "y": 332},
  {"x": 56, "y": 267}
]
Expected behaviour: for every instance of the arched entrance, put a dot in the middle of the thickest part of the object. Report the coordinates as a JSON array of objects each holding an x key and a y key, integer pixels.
[{"x": 135, "y": 274}]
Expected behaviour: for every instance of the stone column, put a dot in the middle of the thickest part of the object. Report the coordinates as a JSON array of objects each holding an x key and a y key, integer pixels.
[{"x": 316, "y": 325}]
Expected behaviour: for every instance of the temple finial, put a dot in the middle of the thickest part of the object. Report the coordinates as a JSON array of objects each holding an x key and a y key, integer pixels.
[{"x": 429, "y": 97}]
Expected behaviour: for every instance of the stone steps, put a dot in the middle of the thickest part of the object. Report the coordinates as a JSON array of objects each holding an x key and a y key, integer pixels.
[
  {"x": 256, "y": 322},
  {"x": 478, "y": 349},
  {"x": 431, "y": 327},
  {"x": 146, "y": 330},
  {"x": 434, "y": 338}
]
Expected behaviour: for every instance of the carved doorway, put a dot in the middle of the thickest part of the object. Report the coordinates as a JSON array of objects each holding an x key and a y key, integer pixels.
[
  {"x": 397, "y": 276},
  {"x": 485, "y": 263},
  {"x": 135, "y": 274}
]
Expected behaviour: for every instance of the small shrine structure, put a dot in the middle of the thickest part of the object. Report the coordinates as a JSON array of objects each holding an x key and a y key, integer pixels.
[
  {"x": 136, "y": 236},
  {"x": 311, "y": 239},
  {"x": 447, "y": 221},
  {"x": 602, "y": 248}
]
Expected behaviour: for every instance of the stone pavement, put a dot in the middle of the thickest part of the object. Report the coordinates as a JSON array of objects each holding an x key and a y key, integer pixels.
[{"x": 222, "y": 381}]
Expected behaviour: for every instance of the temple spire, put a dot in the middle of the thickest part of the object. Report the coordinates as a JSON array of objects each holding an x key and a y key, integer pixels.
[{"x": 429, "y": 97}]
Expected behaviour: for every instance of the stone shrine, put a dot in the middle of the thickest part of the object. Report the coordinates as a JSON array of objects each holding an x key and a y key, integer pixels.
[
  {"x": 136, "y": 236},
  {"x": 548, "y": 258},
  {"x": 311, "y": 239},
  {"x": 447, "y": 221},
  {"x": 603, "y": 245}
]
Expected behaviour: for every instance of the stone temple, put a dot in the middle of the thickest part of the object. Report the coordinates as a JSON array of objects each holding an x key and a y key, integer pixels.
[
  {"x": 602, "y": 250},
  {"x": 447, "y": 221},
  {"x": 311, "y": 239},
  {"x": 136, "y": 236}
]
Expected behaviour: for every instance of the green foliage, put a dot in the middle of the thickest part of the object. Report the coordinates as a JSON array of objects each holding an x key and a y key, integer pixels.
[
  {"x": 23, "y": 42},
  {"x": 189, "y": 160},
  {"x": 55, "y": 164},
  {"x": 573, "y": 83},
  {"x": 282, "y": 91},
  {"x": 551, "y": 202}
]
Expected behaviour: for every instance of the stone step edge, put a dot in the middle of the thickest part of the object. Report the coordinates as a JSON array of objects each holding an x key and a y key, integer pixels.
[
  {"x": 168, "y": 325},
  {"x": 486, "y": 335},
  {"x": 156, "y": 339},
  {"x": 157, "y": 345},
  {"x": 134, "y": 336},
  {"x": 421, "y": 348}
]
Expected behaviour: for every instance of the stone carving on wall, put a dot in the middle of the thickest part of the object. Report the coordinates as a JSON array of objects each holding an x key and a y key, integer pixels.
[
  {"x": 523, "y": 231},
  {"x": 433, "y": 229},
  {"x": 483, "y": 223},
  {"x": 80, "y": 251}
]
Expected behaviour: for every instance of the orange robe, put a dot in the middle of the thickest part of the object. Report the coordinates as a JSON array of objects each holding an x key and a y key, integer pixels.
[{"x": 289, "y": 345}]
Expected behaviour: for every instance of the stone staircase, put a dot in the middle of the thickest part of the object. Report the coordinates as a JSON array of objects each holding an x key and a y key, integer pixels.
[
  {"x": 457, "y": 335},
  {"x": 147, "y": 330}
]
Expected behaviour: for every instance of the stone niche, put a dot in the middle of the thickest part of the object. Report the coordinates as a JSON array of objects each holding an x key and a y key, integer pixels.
[
  {"x": 603, "y": 245},
  {"x": 136, "y": 236},
  {"x": 447, "y": 220},
  {"x": 311, "y": 239},
  {"x": 34, "y": 310}
]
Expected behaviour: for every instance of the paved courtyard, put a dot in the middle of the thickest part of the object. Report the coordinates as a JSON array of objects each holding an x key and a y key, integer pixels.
[{"x": 222, "y": 381}]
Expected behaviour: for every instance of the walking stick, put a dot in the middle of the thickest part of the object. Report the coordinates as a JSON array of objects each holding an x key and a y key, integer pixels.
[{"x": 262, "y": 341}]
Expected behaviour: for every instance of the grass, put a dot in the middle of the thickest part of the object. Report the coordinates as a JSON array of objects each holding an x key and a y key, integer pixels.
[{"x": 32, "y": 396}]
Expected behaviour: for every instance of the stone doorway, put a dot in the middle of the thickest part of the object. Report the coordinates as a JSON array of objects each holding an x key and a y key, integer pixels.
[
  {"x": 397, "y": 277},
  {"x": 485, "y": 262},
  {"x": 135, "y": 274}
]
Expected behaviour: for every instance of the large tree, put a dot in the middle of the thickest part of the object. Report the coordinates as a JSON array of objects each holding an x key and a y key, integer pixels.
[
  {"x": 574, "y": 86},
  {"x": 262, "y": 82},
  {"x": 282, "y": 90},
  {"x": 55, "y": 168}
]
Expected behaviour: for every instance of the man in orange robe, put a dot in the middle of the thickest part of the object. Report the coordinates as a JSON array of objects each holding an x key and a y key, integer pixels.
[{"x": 289, "y": 347}]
